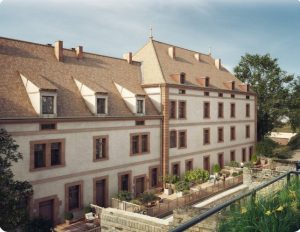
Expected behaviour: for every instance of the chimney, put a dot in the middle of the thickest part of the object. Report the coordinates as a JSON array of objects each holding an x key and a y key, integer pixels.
[
  {"x": 128, "y": 57},
  {"x": 218, "y": 63},
  {"x": 197, "y": 56},
  {"x": 58, "y": 50},
  {"x": 171, "y": 52},
  {"x": 79, "y": 52}
]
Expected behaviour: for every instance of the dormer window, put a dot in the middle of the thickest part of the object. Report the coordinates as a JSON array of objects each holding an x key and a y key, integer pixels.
[
  {"x": 101, "y": 105},
  {"x": 47, "y": 104},
  {"x": 140, "y": 106},
  {"x": 232, "y": 85},
  {"x": 182, "y": 78},
  {"x": 206, "y": 82}
]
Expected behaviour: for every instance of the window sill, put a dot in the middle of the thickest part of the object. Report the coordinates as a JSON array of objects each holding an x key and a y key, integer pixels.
[
  {"x": 101, "y": 159},
  {"x": 46, "y": 168},
  {"x": 182, "y": 147},
  {"x": 139, "y": 154}
]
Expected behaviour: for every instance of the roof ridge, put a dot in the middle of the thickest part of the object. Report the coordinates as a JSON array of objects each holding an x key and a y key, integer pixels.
[
  {"x": 66, "y": 49},
  {"x": 182, "y": 48}
]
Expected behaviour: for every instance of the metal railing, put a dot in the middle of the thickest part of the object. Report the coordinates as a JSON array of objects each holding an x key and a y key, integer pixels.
[{"x": 199, "y": 218}]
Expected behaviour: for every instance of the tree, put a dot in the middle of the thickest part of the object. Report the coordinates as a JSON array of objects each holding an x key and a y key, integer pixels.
[
  {"x": 270, "y": 83},
  {"x": 294, "y": 105},
  {"x": 13, "y": 193}
]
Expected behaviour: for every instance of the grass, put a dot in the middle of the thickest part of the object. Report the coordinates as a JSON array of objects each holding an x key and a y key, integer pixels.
[
  {"x": 285, "y": 129},
  {"x": 272, "y": 213}
]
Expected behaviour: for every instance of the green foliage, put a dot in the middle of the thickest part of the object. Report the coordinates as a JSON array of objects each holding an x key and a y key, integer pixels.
[
  {"x": 69, "y": 215},
  {"x": 171, "y": 179},
  {"x": 265, "y": 147},
  {"x": 225, "y": 172},
  {"x": 294, "y": 105},
  {"x": 197, "y": 175},
  {"x": 270, "y": 84},
  {"x": 216, "y": 168},
  {"x": 13, "y": 193},
  {"x": 38, "y": 225},
  {"x": 88, "y": 209},
  {"x": 254, "y": 158},
  {"x": 294, "y": 143},
  {"x": 283, "y": 152},
  {"x": 181, "y": 185},
  {"x": 147, "y": 197},
  {"x": 270, "y": 213},
  {"x": 136, "y": 201},
  {"x": 233, "y": 164},
  {"x": 124, "y": 196}
]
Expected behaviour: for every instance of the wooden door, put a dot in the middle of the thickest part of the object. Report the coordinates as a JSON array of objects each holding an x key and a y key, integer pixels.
[
  {"x": 206, "y": 163},
  {"x": 100, "y": 193},
  {"x": 46, "y": 210},
  {"x": 221, "y": 160}
]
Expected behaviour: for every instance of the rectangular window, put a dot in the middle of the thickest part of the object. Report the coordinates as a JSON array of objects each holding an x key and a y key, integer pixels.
[
  {"x": 139, "y": 122},
  {"x": 232, "y": 155},
  {"x": 140, "y": 106},
  {"x": 247, "y": 110},
  {"x": 100, "y": 147},
  {"x": 232, "y": 96},
  {"x": 221, "y": 160},
  {"x": 206, "y": 82},
  {"x": 140, "y": 143},
  {"x": 244, "y": 155},
  {"x": 153, "y": 177},
  {"x": 135, "y": 144},
  {"x": 101, "y": 105},
  {"x": 220, "y": 94},
  {"x": 220, "y": 134},
  {"x": 188, "y": 165},
  {"x": 74, "y": 192},
  {"x": 74, "y": 196},
  {"x": 247, "y": 97},
  {"x": 206, "y": 110},
  {"x": 181, "y": 91},
  {"x": 220, "y": 110},
  {"x": 173, "y": 139},
  {"x": 247, "y": 131},
  {"x": 232, "y": 133},
  {"x": 250, "y": 152},
  {"x": 125, "y": 182},
  {"x": 47, "y": 105},
  {"x": 182, "y": 109},
  {"x": 39, "y": 155},
  {"x": 145, "y": 147},
  {"x": 182, "y": 78},
  {"x": 48, "y": 126},
  {"x": 182, "y": 139},
  {"x": 206, "y": 136},
  {"x": 46, "y": 154},
  {"x": 176, "y": 169},
  {"x": 206, "y": 163},
  {"x": 232, "y": 110},
  {"x": 206, "y": 93},
  {"x": 172, "y": 109},
  {"x": 55, "y": 154}
]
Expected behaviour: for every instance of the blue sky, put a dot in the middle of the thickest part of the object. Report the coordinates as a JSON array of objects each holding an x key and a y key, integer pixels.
[{"x": 113, "y": 27}]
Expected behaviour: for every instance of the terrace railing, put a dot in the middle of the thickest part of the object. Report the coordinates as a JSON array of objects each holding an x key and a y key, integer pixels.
[
  {"x": 166, "y": 207},
  {"x": 252, "y": 193}
]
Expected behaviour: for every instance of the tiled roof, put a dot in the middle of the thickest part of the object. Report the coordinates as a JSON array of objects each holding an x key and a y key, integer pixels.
[
  {"x": 41, "y": 82},
  {"x": 186, "y": 62},
  {"x": 38, "y": 63}
]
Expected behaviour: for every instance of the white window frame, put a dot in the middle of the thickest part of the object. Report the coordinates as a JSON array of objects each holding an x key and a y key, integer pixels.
[
  {"x": 106, "y": 104},
  {"x": 136, "y": 105},
  {"x": 48, "y": 94}
]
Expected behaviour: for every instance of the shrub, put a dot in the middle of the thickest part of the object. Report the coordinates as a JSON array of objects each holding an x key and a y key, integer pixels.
[
  {"x": 147, "y": 197},
  {"x": 216, "y": 168},
  {"x": 235, "y": 174},
  {"x": 171, "y": 179},
  {"x": 196, "y": 176},
  {"x": 283, "y": 152},
  {"x": 233, "y": 164},
  {"x": 124, "y": 196},
  {"x": 254, "y": 158},
  {"x": 294, "y": 143},
  {"x": 38, "y": 225},
  {"x": 180, "y": 186},
  {"x": 136, "y": 201},
  {"x": 69, "y": 216},
  {"x": 266, "y": 147},
  {"x": 274, "y": 212}
]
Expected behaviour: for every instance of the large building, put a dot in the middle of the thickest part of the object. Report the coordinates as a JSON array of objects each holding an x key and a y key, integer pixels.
[{"x": 89, "y": 125}]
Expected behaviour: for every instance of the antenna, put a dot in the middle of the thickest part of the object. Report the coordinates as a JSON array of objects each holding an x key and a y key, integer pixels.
[{"x": 151, "y": 35}]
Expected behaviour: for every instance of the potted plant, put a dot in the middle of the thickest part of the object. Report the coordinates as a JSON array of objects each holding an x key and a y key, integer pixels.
[
  {"x": 148, "y": 198},
  {"x": 68, "y": 217},
  {"x": 181, "y": 186},
  {"x": 169, "y": 181}
]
